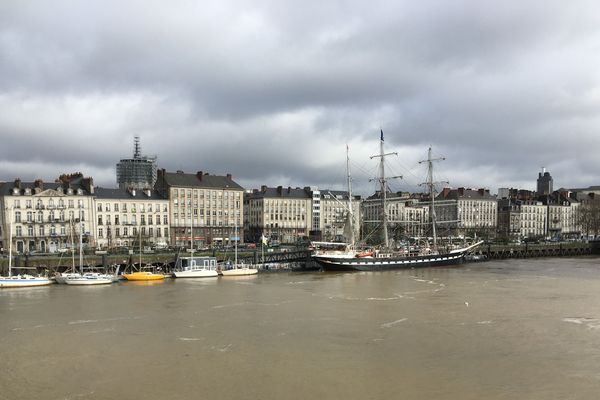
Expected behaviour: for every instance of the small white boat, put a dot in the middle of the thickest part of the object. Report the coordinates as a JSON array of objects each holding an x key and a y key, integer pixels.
[
  {"x": 17, "y": 281},
  {"x": 239, "y": 270},
  {"x": 89, "y": 278},
  {"x": 23, "y": 281},
  {"x": 197, "y": 267}
]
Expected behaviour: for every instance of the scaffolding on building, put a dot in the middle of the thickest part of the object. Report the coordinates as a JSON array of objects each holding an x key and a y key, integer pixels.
[{"x": 138, "y": 172}]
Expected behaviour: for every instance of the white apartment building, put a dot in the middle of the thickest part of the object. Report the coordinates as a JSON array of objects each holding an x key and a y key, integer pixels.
[
  {"x": 126, "y": 217},
  {"x": 47, "y": 217}
]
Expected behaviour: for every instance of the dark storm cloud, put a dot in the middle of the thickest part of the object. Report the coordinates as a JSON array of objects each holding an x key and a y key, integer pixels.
[{"x": 272, "y": 91}]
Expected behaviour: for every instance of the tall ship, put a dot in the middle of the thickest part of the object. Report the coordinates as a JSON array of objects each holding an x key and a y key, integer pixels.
[{"x": 385, "y": 258}]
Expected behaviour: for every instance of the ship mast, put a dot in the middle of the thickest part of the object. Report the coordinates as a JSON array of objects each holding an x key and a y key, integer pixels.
[
  {"x": 382, "y": 181},
  {"x": 350, "y": 213},
  {"x": 431, "y": 189}
]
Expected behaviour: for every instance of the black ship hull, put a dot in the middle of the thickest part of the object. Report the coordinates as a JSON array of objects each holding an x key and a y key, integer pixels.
[{"x": 388, "y": 263}]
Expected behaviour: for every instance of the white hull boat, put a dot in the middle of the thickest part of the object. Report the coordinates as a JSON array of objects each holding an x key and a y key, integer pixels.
[{"x": 23, "y": 281}]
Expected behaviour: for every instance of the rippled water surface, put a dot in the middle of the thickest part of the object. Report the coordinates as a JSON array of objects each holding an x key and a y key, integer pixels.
[{"x": 516, "y": 329}]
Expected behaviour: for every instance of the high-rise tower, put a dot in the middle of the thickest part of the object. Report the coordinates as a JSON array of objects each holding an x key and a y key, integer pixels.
[
  {"x": 138, "y": 172},
  {"x": 544, "y": 183}
]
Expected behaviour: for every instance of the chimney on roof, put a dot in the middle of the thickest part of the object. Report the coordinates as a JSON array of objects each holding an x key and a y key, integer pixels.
[
  {"x": 18, "y": 183},
  {"x": 461, "y": 191},
  {"x": 446, "y": 192},
  {"x": 279, "y": 189},
  {"x": 289, "y": 189},
  {"x": 229, "y": 177},
  {"x": 88, "y": 184},
  {"x": 39, "y": 184},
  {"x": 481, "y": 192},
  {"x": 199, "y": 175},
  {"x": 263, "y": 188}
]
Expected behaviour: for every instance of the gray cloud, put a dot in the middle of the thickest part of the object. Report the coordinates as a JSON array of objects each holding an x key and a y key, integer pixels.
[{"x": 272, "y": 92}]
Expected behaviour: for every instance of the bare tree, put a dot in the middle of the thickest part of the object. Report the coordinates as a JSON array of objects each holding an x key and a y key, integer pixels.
[{"x": 589, "y": 215}]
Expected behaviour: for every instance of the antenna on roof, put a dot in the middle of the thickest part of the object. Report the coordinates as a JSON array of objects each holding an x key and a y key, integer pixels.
[{"x": 137, "y": 147}]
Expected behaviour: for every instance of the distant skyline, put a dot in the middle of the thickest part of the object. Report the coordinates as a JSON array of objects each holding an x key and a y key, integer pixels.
[{"x": 272, "y": 92}]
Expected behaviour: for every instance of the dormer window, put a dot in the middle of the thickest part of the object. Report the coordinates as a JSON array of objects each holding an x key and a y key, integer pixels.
[
  {"x": 79, "y": 192},
  {"x": 15, "y": 191},
  {"x": 59, "y": 190},
  {"x": 28, "y": 191},
  {"x": 69, "y": 191}
]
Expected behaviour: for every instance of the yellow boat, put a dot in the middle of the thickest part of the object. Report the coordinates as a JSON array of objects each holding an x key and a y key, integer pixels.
[{"x": 144, "y": 276}]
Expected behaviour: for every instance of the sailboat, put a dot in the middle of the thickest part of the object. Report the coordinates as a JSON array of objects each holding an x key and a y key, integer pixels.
[
  {"x": 341, "y": 249},
  {"x": 22, "y": 280},
  {"x": 87, "y": 278},
  {"x": 238, "y": 269},
  {"x": 143, "y": 275},
  {"x": 196, "y": 267},
  {"x": 388, "y": 259}
]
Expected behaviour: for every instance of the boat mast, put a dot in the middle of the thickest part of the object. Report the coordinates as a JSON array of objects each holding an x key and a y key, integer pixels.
[
  {"x": 80, "y": 243},
  {"x": 382, "y": 182},
  {"x": 431, "y": 189},
  {"x": 191, "y": 239},
  {"x": 10, "y": 243},
  {"x": 235, "y": 240},
  {"x": 72, "y": 247},
  {"x": 350, "y": 211}
]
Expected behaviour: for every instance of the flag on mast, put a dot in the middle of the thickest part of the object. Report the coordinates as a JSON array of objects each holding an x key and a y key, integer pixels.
[{"x": 382, "y": 135}]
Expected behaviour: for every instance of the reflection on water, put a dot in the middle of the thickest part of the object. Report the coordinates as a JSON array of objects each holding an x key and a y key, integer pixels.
[{"x": 526, "y": 329}]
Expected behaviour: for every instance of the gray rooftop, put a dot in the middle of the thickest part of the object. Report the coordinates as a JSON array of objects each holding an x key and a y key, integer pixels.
[
  {"x": 122, "y": 194},
  {"x": 197, "y": 180}
]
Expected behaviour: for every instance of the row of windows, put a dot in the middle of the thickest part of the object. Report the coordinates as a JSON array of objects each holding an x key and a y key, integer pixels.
[
  {"x": 38, "y": 216},
  {"x": 133, "y": 207},
  {"x": 39, "y": 204},
  {"x": 182, "y": 193},
  {"x": 134, "y": 232},
  {"x": 123, "y": 220},
  {"x": 222, "y": 204},
  {"x": 42, "y": 230}
]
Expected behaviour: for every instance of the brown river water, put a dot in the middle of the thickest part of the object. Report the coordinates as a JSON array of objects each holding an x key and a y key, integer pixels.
[{"x": 513, "y": 329}]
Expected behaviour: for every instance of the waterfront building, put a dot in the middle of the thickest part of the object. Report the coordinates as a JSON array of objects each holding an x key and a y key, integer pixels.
[
  {"x": 475, "y": 211},
  {"x": 44, "y": 216},
  {"x": 138, "y": 172},
  {"x": 562, "y": 221},
  {"x": 210, "y": 206},
  {"x": 334, "y": 215},
  {"x": 282, "y": 214},
  {"x": 520, "y": 214},
  {"x": 406, "y": 215},
  {"x": 123, "y": 217},
  {"x": 289, "y": 214}
]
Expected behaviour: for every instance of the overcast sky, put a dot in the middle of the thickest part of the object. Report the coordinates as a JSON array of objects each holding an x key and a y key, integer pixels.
[{"x": 272, "y": 91}]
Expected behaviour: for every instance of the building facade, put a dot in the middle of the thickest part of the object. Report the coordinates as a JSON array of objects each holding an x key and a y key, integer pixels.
[
  {"x": 129, "y": 218},
  {"x": 474, "y": 211},
  {"x": 203, "y": 208},
  {"x": 47, "y": 217},
  {"x": 290, "y": 214},
  {"x": 406, "y": 216}
]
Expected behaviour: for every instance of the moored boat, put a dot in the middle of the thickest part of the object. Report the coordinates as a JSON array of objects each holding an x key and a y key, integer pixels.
[
  {"x": 89, "y": 278},
  {"x": 144, "y": 276},
  {"x": 197, "y": 267},
  {"x": 22, "y": 280},
  {"x": 388, "y": 258},
  {"x": 16, "y": 281},
  {"x": 382, "y": 262}
]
